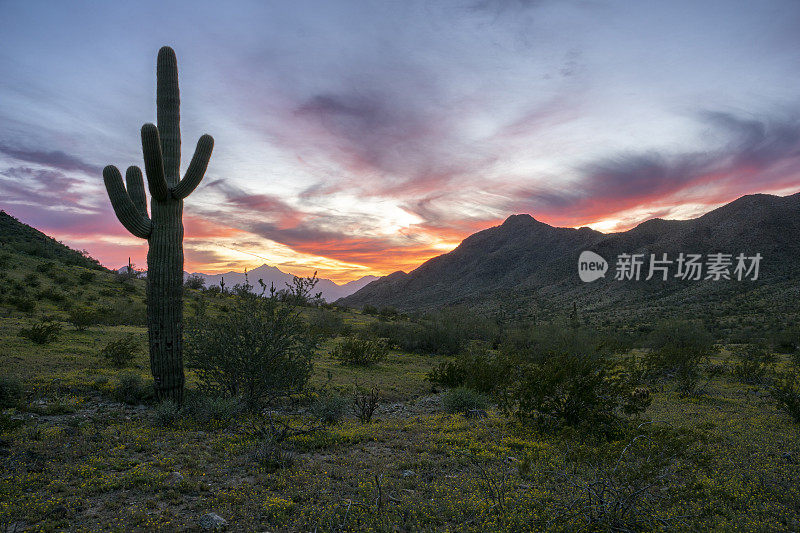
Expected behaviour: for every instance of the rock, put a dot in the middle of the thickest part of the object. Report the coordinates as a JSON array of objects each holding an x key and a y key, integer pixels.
[
  {"x": 213, "y": 521},
  {"x": 409, "y": 473}
]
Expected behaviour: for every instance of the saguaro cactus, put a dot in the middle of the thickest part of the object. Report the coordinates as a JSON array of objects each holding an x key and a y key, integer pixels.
[{"x": 163, "y": 229}]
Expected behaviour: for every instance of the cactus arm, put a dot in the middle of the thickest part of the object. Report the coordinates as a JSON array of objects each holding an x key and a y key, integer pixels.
[
  {"x": 135, "y": 186},
  {"x": 168, "y": 103},
  {"x": 197, "y": 168},
  {"x": 154, "y": 162},
  {"x": 126, "y": 211}
]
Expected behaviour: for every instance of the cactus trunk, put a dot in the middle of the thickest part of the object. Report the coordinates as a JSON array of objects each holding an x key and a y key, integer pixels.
[
  {"x": 163, "y": 229},
  {"x": 165, "y": 298}
]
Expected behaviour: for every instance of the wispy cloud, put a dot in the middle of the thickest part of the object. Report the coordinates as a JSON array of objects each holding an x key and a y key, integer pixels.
[
  {"x": 370, "y": 137},
  {"x": 53, "y": 159}
]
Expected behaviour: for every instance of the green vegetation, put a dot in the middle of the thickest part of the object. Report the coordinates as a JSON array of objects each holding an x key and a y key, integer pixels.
[
  {"x": 360, "y": 350},
  {"x": 43, "y": 332},
  {"x": 542, "y": 426},
  {"x": 121, "y": 352},
  {"x": 259, "y": 349}
]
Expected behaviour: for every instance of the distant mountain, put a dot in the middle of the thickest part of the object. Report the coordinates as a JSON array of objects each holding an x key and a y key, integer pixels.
[
  {"x": 18, "y": 237},
  {"x": 525, "y": 258},
  {"x": 331, "y": 291}
]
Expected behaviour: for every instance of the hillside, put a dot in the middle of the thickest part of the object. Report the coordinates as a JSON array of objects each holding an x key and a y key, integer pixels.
[
  {"x": 538, "y": 262},
  {"x": 21, "y": 238}
]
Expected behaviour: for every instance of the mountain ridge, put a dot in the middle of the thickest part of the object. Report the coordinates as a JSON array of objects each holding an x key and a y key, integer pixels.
[
  {"x": 330, "y": 290},
  {"x": 525, "y": 255}
]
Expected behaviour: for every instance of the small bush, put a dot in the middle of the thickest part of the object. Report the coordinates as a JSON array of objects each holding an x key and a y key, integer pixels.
[
  {"x": 360, "y": 351},
  {"x": 786, "y": 392},
  {"x": 10, "y": 391},
  {"x": 9, "y": 424},
  {"x": 122, "y": 313},
  {"x": 42, "y": 333},
  {"x": 133, "y": 390},
  {"x": 329, "y": 407},
  {"x": 678, "y": 349},
  {"x": 23, "y": 303},
  {"x": 82, "y": 317},
  {"x": 45, "y": 267},
  {"x": 194, "y": 282},
  {"x": 326, "y": 323},
  {"x": 786, "y": 341},
  {"x": 31, "y": 280},
  {"x": 87, "y": 276},
  {"x": 208, "y": 409},
  {"x": 121, "y": 352},
  {"x": 753, "y": 364},
  {"x": 476, "y": 368},
  {"x": 463, "y": 400},
  {"x": 573, "y": 390},
  {"x": 369, "y": 310},
  {"x": 271, "y": 456},
  {"x": 259, "y": 350},
  {"x": 166, "y": 413},
  {"x": 365, "y": 403},
  {"x": 387, "y": 313}
]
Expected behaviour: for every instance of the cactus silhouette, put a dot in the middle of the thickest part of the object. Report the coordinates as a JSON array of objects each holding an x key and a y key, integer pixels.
[{"x": 163, "y": 229}]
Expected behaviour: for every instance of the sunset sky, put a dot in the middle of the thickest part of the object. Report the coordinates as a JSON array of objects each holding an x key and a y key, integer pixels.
[{"x": 365, "y": 137}]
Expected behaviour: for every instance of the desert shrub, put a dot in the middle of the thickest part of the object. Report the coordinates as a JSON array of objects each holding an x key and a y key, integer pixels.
[
  {"x": 786, "y": 392},
  {"x": 360, "y": 351},
  {"x": 622, "y": 485},
  {"x": 23, "y": 303},
  {"x": 387, "y": 313},
  {"x": 166, "y": 413},
  {"x": 44, "y": 332},
  {"x": 10, "y": 391},
  {"x": 268, "y": 452},
  {"x": 260, "y": 349},
  {"x": 678, "y": 349},
  {"x": 82, "y": 317},
  {"x": 570, "y": 389},
  {"x": 300, "y": 292},
  {"x": 753, "y": 363},
  {"x": 476, "y": 367},
  {"x": 128, "y": 287},
  {"x": 326, "y": 323},
  {"x": 446, "y": 332},
  {"x": 208, "y": 409},
  {"x": 329, "y": 407},
  {"x": 369, "y": 310},
  {"x": 87, "y": 276},
  {"x": 122, "y": 313},
  {"x": 538, "y": 343},
  {"x": 463, "y": 400},
  {"x": 364, "y": 404},
  {"x": 51, "y": 294},
  {"x": 194, "y": 282},
  {"x": 31, "y": 280},
  {"x": 132, "y": 389},
  {"x": 786, "y": 341},
  {"x": 121, "y": 352},
  {"x": 9, "y": 424},
  {"x": 108, "y": 292},
  {"x": 45, "y": 267}
]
